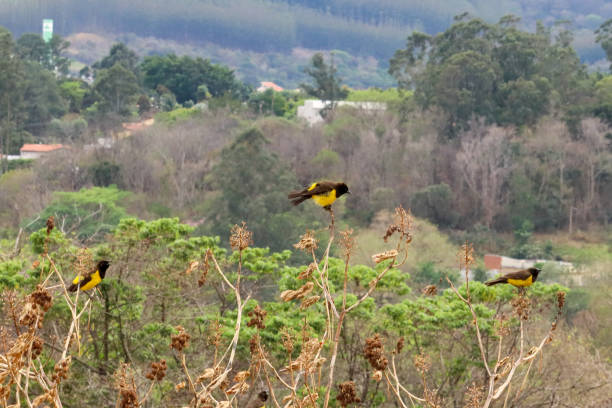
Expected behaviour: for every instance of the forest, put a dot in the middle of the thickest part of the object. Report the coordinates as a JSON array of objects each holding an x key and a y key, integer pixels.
[
  {"x": 220, "y": 293},
  {"x": 264, "y": 40}
]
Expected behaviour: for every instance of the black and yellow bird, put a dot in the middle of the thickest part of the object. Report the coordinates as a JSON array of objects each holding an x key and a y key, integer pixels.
[
  {"x": 259, "y": 401},
  {"x": 92, "y": 279},
  {"x": 520, "y": 279},
  {"x": 324, "y": 193}
]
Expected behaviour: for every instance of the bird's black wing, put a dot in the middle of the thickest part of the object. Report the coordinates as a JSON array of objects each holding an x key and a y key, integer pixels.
[
  {"x": 520, "y": 275},
  {"x": 81, "y": 282},
  {"x": 322, "y": 187}
]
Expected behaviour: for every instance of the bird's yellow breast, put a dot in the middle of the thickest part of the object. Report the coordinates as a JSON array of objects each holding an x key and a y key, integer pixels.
[
  {"x": 325, "y": 199},
  {"x": 521, "y": 282},
  {"x": 95, "y": 279}
]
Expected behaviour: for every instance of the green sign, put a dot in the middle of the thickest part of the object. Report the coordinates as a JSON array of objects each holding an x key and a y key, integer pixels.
[{"x": 47, "y": 32}]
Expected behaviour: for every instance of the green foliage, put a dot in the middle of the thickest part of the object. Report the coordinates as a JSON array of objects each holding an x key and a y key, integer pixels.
[
  {"x": 253, "y": 184},
  {"x": 74, "y": 91},
  {"x": 104, "y": 173},
  {"x": 604, "y": 38},
  {"x": 391, "y": 95},
  {"x": 19, "y": 164},
  {"x": 176, "y": 115},
  {"x": 183, "y": 75},
  {"x": 87, "y": 214},
  {"x": 10, "y": 274},
  {"x": 491, "y": 70},
  {"x": 67, "y": 130},
  {"x": 117, "y": 87},
  {"x": 40, "y": 240},
  {"x": 326, "y": 82},
  {"x": 42, "y": 98},
  {"x": 427, "y": 273},
  {"x": 122, "y": 55},
  {"x": 268, "y": 102},
  {"x": 435, "y": 203}
]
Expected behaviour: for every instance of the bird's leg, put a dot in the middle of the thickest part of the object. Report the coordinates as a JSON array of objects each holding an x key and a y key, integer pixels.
[
  {"x": 521, "y": 291},
  {"x": 331, "y": 213}
]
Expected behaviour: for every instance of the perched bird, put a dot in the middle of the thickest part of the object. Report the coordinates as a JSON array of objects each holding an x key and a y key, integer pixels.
[
  {"x": 324, "y": 193},
  {"x": 260, "y": 401},
  {"x": 92, "y": 279},
  {"x": 519, "y": 278}
]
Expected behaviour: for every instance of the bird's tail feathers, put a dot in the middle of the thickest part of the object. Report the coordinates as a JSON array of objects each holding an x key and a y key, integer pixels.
[
  {"x": 73, "y": 287},
  {"x": 295, "y": 194},
  {"x": 496, "y": 281},
  {"x": 298, "y": 200}
]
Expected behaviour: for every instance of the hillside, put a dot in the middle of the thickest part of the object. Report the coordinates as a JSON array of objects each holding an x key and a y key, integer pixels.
[{"x": 260, "y": 38}]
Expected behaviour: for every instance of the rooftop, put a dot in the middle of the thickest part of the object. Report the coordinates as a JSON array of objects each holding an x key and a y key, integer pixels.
[{"x": 40, "y": 148}]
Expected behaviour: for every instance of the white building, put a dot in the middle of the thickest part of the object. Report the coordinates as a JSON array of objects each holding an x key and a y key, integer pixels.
[
  {"x": 34, "y": 151},
  {"x": 312, "y": 108}
]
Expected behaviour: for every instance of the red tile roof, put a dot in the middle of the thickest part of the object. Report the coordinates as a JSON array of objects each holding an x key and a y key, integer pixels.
[
  {"x": 493, "y": 261},
  {"x": 40, "y": 148},
  {"x": 272, "y": 86}
]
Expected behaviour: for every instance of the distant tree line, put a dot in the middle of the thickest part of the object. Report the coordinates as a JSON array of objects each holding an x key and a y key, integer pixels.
[{"x": 361, "y": 27}]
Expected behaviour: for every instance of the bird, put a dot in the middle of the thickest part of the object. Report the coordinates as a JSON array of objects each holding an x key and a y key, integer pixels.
[
  {"x": 520, "y": 279},
  {"x": 260, "y": 401},
  {"x": 92, "y": 279},
  {"x": 324, "y": 193}
]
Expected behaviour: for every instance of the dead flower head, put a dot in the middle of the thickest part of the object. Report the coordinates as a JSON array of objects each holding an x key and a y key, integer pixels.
[
  {"x": 422, "y": 363},
  {"x": 289, "y": 294},
  {"x": 402, "y": 224},
  {"x": 50, "y": 224},
  {"x": 37, "y": 347},
  {"x": 60, "y": 371},
  {"x": 560, "y": 299},
  {"x": 181, "y": 340},
  {"x": 308, "y": 360},
  {"x": 158, "y": 371},
  {"x": 37, "y": 304},
  {"x": 257, "y": 316},
  {"x": 347, "y": 241},
  {"x": 308, "y": 242},
  {"x": 192, "y": 266},
  {"x": 374, "y": 352},
  {"x": 466, "y": 256},
  {"x": 502, "y": 326},
  {"x": 347, "y": 394},
  {"x": 124, "y": 379},
  {"x": 288, "y": 343},
  {"x": 307, "y": 273},
  {"x": 206, "y": 375},
  {"x": 430, "y": 290},
  {"x": 240, "y": 386},
  {"x": 240, "y": 237},
  {"x": 399, "y": 346},
  {"x": 383, "y": 256},
  {"x": 377, "y": 375},
  {"x": 473, "y": 396},
  {"x": 432, "y": 398},
  {"x": 83, "y": 262},
  {"x": 309, "y": 301},
  {"x": 205, "y": 267},
  {"x": 521, "y": 307}
]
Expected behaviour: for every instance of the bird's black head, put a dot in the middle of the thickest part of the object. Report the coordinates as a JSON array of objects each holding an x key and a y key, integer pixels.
[
  {"x": 263, "y": 396},
  {"x": 534, "y": 273},
  {"x": 342, "y": 188},
  {"x": 102, "y": 267}
]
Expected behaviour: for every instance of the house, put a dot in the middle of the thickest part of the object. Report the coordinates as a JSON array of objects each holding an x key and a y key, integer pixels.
[
  {"x": 9, "y": 157},
  {"x": 311, "y": 109},
  {"x": 269, "y": 85},
  {"x": 34, "y": 151}
]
